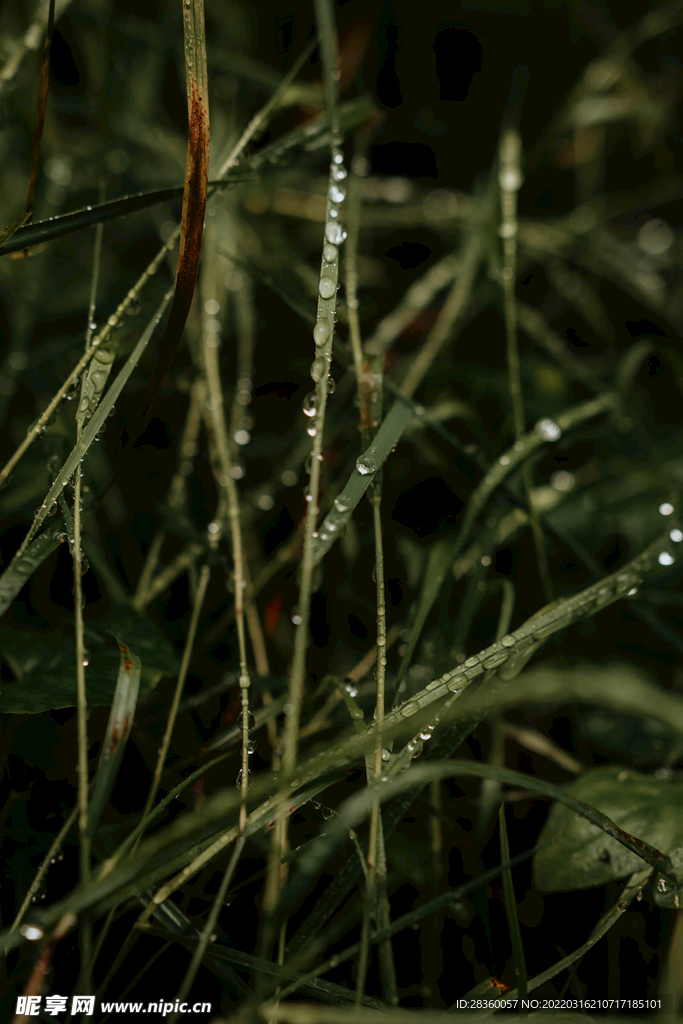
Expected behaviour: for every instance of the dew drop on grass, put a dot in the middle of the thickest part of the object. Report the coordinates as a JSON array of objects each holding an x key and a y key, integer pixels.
[
  {"x": 321, "y": 333},
  {"x": 366, "y": 464},
  {"x": 351, "y": 690},
  {"x": 334, "y": 233},
  {"x": 251, "y": 721},
  {"x": 665, "y": 558},
  {"x": 238, "y": 780},
  {"x": 337, "y": 195},
  {"x": 676, "y": 536},
  {"x": 340, "y": 173},
  {"x": 548, "y": 429},
  {"x": 341, "y": 504},
  {"x": 327, "y": 287},
  {"x": 508, "y": 641},
  {"x": 329, "y": 253},
  {"x": 311, "y": 430},
  {"x": 318, "y": 369},
  {"x": 409, "y": 708},
  {"x": 310, "y": 404}
]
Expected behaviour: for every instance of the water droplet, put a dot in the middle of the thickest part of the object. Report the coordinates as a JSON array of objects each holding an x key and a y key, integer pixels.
[
  {"x": 676, "y": 536},
  {"x": 409, "y": 708},
  {"x": 426, "y": 733},
  {"x": 296, "y": 617},
  {"x": 665, "y": 558},
  {"x": 341, "y": 504},
  {"x": 251, "y": 722},
  {"x": 311, "y": 430},
  {"x": 337, "y": 195},
  {"x": 326, "y": 812},
  {"x": 633, "y": 592},
  {"x": 113, "y": 321},
  {"x": 666, "y": 508},
  {"x": 471, "y": 662},
  {"x": 338, "y": 158},
  {"x": 508, "y": 641},
  {"x": 504, "y": 460},
  {"x": 327, "y": 287},
  {"x": 663, "y": 885},
  {"x": 351, "y": 690},
  {"x": 548, "y": 429},
  {"x": 318, "y": 369},
  {"x": 454, "y": 685},
  {"x": 386, "y": 754},
  {"x": 310, "y": 405},
  {"x": 321, "y": 333},
  {"x": 334, "y": 233},
  {"x": 251, "y": 746},
  {"x": 331, "y": 387},
  {"x": 329, "y": 253},
  {"x": 240, "y": 774},
  {"x": 340, "y": 173},
  {"x": 334, "y": 212},
  {"x": 366, "y": 464}
]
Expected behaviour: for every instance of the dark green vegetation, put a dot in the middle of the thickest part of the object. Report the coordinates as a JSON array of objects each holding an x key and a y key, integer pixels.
[{"x": 497, "y": 461}]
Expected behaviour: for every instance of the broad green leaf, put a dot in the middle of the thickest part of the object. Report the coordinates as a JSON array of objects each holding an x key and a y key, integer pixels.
[
  {"x": 44, "y": 667},
  {"x": 581, "y": 854}
]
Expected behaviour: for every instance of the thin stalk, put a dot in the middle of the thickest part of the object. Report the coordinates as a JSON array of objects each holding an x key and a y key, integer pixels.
[
  {"x": 42, "y": 870},
  {"x": 228, "y": 499},
  {"x": 207, "y": 930},
  {"x": 359, "y": 169},
  {"x": 510, "y": 180},
  {"x": 177, "y": 491},
  {"x": 77, "y": 555},
  {"x": 204, "y": 577},
  {"x": 511, "y": 909},
  {"x": 375, "y": 821},
  {"x": 323, "y": 334},
  {"x": 450, "y": 315}
]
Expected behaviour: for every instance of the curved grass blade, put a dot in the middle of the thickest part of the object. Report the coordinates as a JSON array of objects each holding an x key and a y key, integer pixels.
[
  {"x": 194, "y": 194},
  {"x": 118, "y": 730},
  {"x": 635, "y": 884},
  {"x": 95, "y": 423},
  {"x": 25, "y": 564},
  {"x": 87, "y": 216}
]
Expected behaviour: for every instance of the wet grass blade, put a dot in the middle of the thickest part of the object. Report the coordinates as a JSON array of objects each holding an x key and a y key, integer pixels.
[
  {"x": 118, "y": 730},
  {"x": 22, "y": 237},
  {"x": 194, "y": 194}
]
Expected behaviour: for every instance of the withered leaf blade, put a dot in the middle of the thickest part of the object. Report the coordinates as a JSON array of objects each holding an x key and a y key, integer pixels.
[{"x": 194, "y": 194}]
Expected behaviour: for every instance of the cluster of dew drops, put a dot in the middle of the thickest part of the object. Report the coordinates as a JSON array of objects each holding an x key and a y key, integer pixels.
[
  {"x": 251, "y": 745},
  {"x": 335, "y": 235}
]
